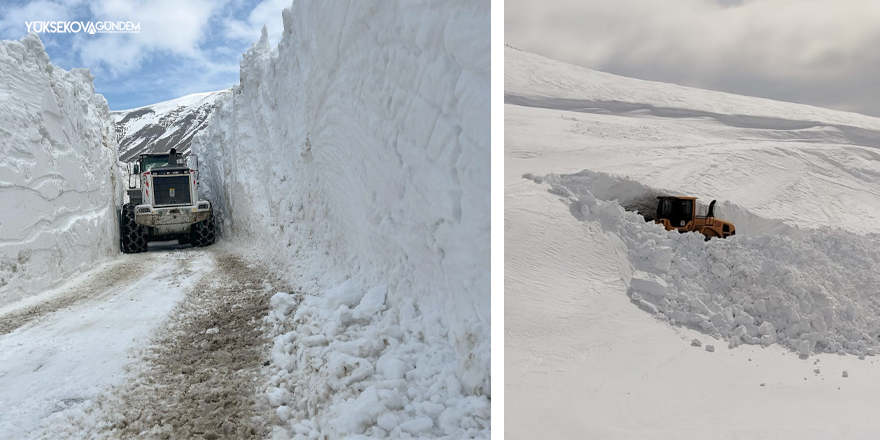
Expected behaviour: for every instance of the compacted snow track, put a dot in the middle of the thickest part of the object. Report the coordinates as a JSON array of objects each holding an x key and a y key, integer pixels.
[
  {"x": 198, "y": 378},
  {"x": 168, "y": 344},
  {"x": 62, "y": 348}
]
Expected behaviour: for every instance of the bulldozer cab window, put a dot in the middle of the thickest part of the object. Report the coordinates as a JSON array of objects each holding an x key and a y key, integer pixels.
[
  {"x": 151, "y": 162},
  {"x": 678, "y": 211}
]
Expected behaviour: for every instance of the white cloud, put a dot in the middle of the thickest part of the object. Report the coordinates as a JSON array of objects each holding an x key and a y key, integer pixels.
[
  {"x": 776, "y": 48},
  {"x": 14, "y": 17},
  {"x": 178, "y": 33},
  {"x": 184, "y": 46},
  {"x": 267, "y": 13}
]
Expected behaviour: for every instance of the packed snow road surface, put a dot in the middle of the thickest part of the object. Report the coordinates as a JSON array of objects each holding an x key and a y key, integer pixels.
[
  {"x": 63, "y": 348},
  {"x": 199, "y": 376},
  {"x": 168, "y": 343}
]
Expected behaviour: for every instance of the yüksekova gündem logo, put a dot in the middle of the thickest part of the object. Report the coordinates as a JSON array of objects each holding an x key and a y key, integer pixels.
[{"x": 88, "y": 27}]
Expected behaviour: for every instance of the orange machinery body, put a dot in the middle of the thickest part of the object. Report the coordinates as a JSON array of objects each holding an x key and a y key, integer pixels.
[{"x": 679, "y": 213}]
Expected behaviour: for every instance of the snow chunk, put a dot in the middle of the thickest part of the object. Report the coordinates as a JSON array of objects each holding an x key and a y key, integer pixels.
[
  {"x": 356, "y": 414},
  {"x": 283, "y": 413},
  {"x": 277, "y": 396},
  {"x": 417, "y": 426},
  {"x": 372, "y": 303},
  {"x": 648, "y": 283},
  {"x": 283, "y": 303},
  {"x": 346, "y": 369},
  {"x": 345, "y": 294},
  {"x": 387, "y": 421},
  {"x": 391, "y": 367},
  {"x": 721, "y": 270}
]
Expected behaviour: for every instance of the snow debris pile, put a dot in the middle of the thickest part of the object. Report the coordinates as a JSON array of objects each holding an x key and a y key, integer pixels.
[
  {"x": 57, "y": 184},
  {"x": 386, "y": 372},
  {"x": 355, "y": 155},
  {"x": 810, "y": 290}
]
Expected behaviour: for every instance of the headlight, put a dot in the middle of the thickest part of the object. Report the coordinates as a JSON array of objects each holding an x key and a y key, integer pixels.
[{"x": 143, "y": 210}]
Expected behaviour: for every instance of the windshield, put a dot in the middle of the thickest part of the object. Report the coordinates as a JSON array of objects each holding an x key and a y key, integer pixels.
[
  {"x": 151, "y": 162},
  {"x": 677, "y": 211},
  {"x": 664, "y": 209}
]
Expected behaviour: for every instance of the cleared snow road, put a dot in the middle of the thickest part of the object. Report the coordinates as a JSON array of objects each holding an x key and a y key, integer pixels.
[
  {"x": 199, "y": 377},
  {"x": 64, "y": 347}
]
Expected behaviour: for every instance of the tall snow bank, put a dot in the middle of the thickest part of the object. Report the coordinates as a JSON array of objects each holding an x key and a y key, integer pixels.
[
  {"x": 811, "y": 290},
  {"x": 356, "y": 155},
  {"x": 57, "y": 184}
]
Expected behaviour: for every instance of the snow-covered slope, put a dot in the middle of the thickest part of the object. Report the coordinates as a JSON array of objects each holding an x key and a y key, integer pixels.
[
  {"x": 166, "y": 125},
  {"x": 804, "y": 165},
  {"x": 789, "y": 305},
  {"x": 57, "y": 184},
  {"x": 356, "y": 156},
  {"x": 531, "y": 79}
]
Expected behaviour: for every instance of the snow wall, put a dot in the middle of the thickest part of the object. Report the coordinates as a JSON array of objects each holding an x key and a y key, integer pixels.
[
  {"x": 811, "y": 290},
  {"x": 356, "y": 155},
  {"x": 57, "y": 184}
]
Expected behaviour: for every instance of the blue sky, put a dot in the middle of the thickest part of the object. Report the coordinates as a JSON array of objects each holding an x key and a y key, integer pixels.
[{"x": 184, "y": 46}]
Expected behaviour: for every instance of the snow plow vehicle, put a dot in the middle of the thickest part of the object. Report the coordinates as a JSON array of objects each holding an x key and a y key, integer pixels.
[
  {"x": 163, "y": 204},
  {"x": 679, "y": 213}
]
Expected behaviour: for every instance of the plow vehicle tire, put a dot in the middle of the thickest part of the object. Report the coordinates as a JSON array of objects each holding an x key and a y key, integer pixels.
[
  {"x": 203, "y": 233},
  {"x": 133, "y": 235}
]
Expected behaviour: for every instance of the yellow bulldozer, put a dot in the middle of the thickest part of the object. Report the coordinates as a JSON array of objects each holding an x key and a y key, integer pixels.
[{"x": 680, "y": 213}]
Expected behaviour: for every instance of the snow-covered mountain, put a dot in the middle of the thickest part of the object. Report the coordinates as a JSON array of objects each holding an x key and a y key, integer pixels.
[
  {"x": 789, "y": 305},
  {"x": 160, "y": 127}
]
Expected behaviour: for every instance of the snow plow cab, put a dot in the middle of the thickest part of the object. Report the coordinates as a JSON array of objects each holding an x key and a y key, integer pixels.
[
  {"x": 163, "y": 204},
  {"x": 680, "y": 213}
]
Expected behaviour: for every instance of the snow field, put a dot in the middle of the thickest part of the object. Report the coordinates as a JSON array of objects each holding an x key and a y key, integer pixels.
[
  {"x": 57, "y": 184},
  {"x": 583, "y": 361},
  {"x": 802, "y": 165},
  {"x": 533, "y": 80},
  {"x": 811, "y": 290},
  {"x": 355, "y": 157}
]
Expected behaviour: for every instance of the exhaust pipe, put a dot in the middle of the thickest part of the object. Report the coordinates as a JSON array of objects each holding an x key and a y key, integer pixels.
[{"x": 711, "y": 212}]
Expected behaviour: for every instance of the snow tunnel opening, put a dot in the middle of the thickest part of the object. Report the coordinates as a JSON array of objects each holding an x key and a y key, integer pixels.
[{"x": 641, "y": 199}]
